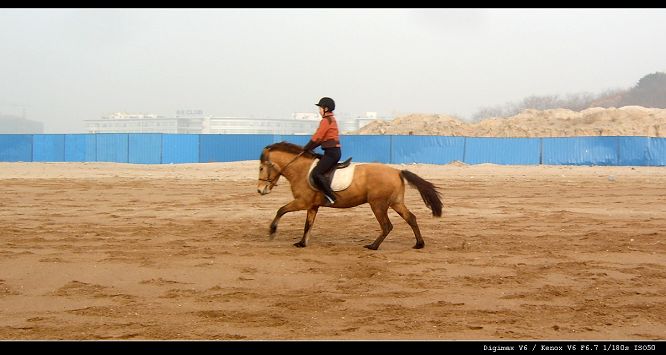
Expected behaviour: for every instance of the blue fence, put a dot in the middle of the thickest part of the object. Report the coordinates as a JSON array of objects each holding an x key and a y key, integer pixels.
[
  {"x": 157, "y": 148},
  {"x": 180, "y": 148},
  {"x": 80, "y": 147},
  {"x": 425, "y": 149},
  {"x": 507, "y": 151},
  {"x": 581, "y": 151},
  {"x": 16, "y": 147}
]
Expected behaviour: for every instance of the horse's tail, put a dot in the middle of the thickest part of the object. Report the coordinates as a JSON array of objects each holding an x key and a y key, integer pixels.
[{"x": 428, "y": 191}]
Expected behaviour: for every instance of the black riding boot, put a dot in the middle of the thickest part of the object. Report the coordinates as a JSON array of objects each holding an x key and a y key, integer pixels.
[
  {"x": 326, "y": 163},
  {"x": 325, "y": 188}
]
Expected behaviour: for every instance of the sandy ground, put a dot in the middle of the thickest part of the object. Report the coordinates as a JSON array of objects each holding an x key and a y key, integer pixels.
[{"x": 122, "y": 251}]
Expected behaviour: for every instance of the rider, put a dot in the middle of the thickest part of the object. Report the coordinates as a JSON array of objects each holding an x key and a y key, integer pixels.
[{"x": 327, "y": 136}]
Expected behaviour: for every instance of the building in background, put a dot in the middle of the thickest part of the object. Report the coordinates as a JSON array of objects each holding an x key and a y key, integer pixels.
[
  {"x": 121, "y": 122},
  {"x": 195, "y": 122},
  {"x": 299, "y": 123},
  {"x": 16, "y": 125}
]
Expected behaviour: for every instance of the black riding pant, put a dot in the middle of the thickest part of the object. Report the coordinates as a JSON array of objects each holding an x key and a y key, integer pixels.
[{"x": 326, "y": 163}]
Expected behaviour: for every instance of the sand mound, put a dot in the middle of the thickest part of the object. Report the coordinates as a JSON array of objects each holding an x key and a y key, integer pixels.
[
  {"x": 596, "y": 121},
  {"x": 416, "y": 124}
]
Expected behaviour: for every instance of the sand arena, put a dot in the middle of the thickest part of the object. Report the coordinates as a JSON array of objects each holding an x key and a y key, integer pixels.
[{"x": 123, "y": 251}]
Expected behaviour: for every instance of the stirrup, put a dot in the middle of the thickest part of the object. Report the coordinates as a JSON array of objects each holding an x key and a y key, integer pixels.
[{"x": 330, "y": 201}]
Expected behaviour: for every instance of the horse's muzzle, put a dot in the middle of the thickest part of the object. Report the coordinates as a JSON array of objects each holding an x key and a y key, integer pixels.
[{"x": 263, "y": 191}]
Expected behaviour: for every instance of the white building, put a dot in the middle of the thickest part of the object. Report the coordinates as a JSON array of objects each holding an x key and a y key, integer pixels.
[
  {"x": 121, "y": 122},
  {"x": 195, "y": 122},
  {"x": 244, "y": 125}
]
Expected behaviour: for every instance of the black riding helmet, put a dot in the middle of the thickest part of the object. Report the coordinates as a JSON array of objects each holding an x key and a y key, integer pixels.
[{"x": 327, "y": 102}]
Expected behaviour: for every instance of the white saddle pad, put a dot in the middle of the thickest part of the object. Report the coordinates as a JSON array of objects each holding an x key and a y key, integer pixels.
[{"x": 342, "y": 178}]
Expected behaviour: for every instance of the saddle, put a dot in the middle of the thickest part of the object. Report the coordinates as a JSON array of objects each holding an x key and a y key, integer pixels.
[
  {"x": 344, "y": 164},
  {"x": 339, "y": 178}
]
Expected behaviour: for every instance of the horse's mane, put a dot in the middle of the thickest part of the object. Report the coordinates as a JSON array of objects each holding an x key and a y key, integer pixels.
[{"x": 287, "y": 148}]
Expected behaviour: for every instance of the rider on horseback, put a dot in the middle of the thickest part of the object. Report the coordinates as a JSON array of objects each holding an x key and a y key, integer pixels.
[{"x": 327, "y": 135}]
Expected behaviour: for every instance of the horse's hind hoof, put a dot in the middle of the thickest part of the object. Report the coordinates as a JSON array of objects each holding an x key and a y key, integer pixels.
[
  {"x": 370, "y": 246},
  {"x": 299, "y": 245},
  {"x": 419, "y": 246}
]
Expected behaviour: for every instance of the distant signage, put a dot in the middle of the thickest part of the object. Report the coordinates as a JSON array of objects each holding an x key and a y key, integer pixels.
[{"x": 189, "y": 112}]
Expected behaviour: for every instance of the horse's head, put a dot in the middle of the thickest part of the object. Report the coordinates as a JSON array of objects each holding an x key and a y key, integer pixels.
[
  {"x": 269, "y": 173},
  {"x": 274, "y": 161}
]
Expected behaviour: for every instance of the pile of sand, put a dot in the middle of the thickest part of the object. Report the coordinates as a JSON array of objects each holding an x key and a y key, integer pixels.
[
  {"x": 596, "y": 121},
  {"x": 416, "y": 124}
]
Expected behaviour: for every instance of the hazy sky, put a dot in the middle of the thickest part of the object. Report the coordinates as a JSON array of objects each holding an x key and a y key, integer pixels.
[{"x": 63, "y": 66}]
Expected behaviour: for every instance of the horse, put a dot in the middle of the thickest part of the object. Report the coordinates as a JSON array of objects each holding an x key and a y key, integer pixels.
[{"x": 378, "y": 184}]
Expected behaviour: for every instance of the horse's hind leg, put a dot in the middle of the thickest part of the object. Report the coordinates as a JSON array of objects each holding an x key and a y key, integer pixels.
[
  {"x": 309, "y": 221},
  {"x": 411, "y": 220},
  {"x": 380, "y": 210}
]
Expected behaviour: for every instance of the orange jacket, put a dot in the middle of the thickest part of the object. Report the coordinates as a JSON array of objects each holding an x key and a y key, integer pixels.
[{"x": 327, "y": 135}]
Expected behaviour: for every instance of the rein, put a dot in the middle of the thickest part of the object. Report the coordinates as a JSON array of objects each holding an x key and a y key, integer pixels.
[{"x": 279, "y": 171}]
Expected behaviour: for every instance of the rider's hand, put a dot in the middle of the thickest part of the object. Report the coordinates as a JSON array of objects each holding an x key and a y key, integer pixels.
[{"x": 310, "y": 146}]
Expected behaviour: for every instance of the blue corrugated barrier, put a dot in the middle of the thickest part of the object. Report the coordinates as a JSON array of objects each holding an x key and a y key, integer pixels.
[
  {"x": 16, "y": 147},
  {"x": 145, "y": 148},
  {"x": 48, "y": 147},
  {"x": 634, "y": 151},
  {"x": 296, "y": 139},
  {"x": 657, "y": 150},
  {"x": 580, "y": 151},
  {"x": 113, "y": 147},
  {"x": 643, "y": 151},
  {"x": 367, "y": 149},
  {"x": 426, "y": 149},
  {"x": 157, "y": 148},
  {"x": 507, "y": 151},
  {"x": 232, "y": 147},
  {"x": 80, "y": 147},
  {"x": 180, "y": 148}
]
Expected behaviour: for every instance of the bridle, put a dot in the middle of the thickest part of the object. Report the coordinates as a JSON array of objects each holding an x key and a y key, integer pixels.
[{"x": 271, "y": 165}]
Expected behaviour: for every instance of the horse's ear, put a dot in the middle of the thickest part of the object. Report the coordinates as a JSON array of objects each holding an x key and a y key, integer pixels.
[{"x": 264, "y": 154}]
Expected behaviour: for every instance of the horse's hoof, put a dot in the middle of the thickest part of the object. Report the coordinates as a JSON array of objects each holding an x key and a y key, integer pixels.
[
  {"x": 271, "y": 236},
  {"x": 419, "y": 246},
  {"x": 299, "y": 244},
  {"x": 272, "y": 229},
  {"x": 370, "y": 246}
]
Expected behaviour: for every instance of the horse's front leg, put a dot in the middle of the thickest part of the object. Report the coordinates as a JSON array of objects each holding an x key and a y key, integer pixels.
[
  {"x": 295, "y": 205},
  {"x": 309, "y": 221}
]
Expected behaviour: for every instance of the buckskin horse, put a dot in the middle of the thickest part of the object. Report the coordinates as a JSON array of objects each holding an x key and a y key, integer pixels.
[{"x": 377, "y": 184}]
